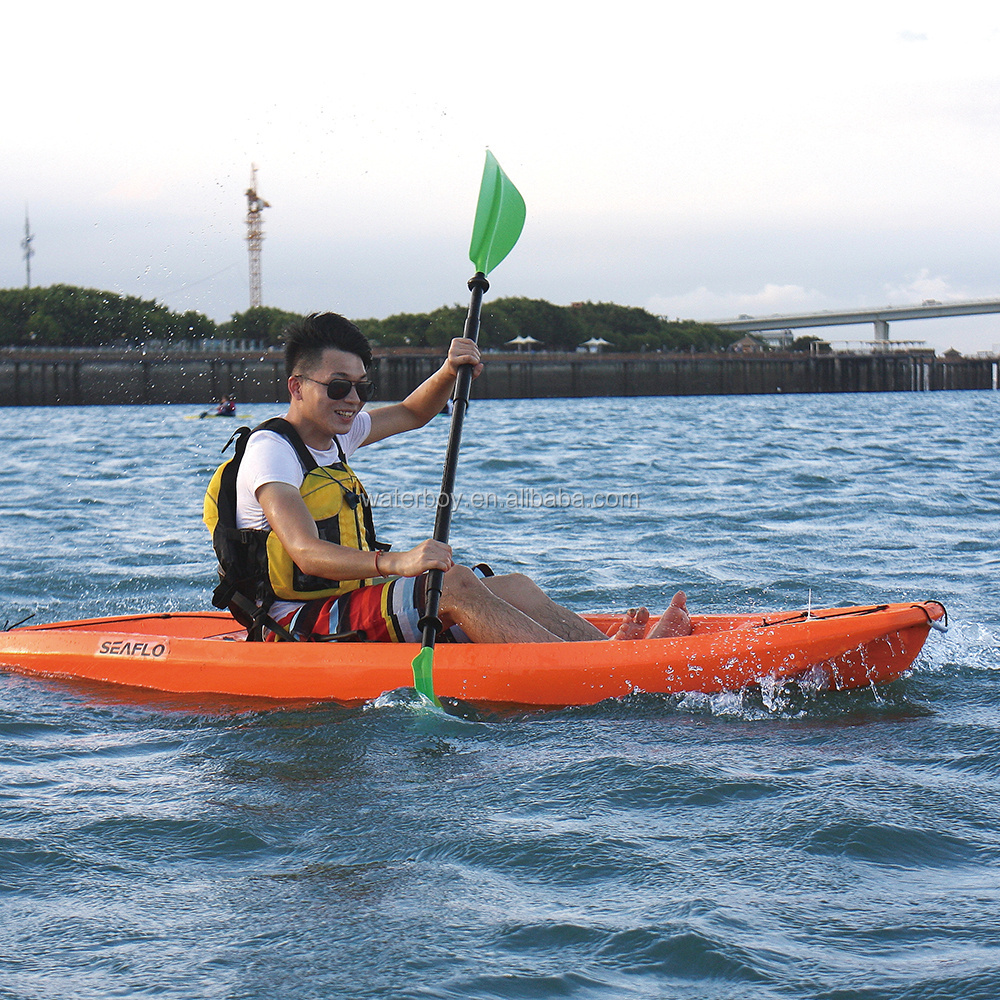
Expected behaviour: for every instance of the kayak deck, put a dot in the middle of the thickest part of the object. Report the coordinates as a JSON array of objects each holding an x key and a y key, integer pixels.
[{"x": 204, "y": 652}]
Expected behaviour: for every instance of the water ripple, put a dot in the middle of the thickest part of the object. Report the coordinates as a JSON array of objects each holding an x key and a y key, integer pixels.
[{"x": 778, "y": 842}]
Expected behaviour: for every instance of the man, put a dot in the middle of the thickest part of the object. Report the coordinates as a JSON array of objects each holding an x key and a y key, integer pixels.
[{"x": 326, "y": 570}]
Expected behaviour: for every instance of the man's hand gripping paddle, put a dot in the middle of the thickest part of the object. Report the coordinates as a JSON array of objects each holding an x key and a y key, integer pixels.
[{"x": 499, "y": 221}]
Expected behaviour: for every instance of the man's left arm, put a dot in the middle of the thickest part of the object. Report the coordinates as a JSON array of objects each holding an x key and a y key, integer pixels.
[{"x": 429, "y": 398}]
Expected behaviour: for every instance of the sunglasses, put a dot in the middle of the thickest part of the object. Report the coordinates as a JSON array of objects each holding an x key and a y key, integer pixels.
[{"x": 340, "y": 388}]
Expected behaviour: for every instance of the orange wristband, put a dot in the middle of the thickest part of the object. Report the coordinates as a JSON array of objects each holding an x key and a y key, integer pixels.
[{"x": 378, "y": 572}]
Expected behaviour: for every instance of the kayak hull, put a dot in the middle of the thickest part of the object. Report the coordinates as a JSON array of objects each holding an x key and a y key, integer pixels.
[{"x": 205, "y": 653}]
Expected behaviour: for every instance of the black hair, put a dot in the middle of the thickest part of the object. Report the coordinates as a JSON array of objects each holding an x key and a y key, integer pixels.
[{"x": 307, "y": 339}]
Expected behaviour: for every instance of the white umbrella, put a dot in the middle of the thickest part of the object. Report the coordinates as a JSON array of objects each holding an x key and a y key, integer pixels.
[{"x": 521, "y": 341}]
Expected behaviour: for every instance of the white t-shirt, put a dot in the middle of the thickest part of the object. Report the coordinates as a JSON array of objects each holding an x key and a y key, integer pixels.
[{"x": 270, "y": 458}]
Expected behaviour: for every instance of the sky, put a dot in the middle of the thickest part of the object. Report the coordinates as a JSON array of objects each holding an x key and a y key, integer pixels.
[{"x": 700, "y": 161}]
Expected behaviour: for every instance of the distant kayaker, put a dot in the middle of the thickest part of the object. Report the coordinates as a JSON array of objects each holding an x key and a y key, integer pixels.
[
  {"x": 304, "y": 546},
  {"x": 226, "y": 408}
]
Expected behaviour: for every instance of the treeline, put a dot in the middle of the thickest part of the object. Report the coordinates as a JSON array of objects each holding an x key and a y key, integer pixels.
[
  {"x": 67, "y": 316},
  {"x": 555, "y": 328}
]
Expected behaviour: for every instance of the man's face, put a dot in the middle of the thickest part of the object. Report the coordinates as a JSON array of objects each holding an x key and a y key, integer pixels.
[{"x": 333, "y": 416}]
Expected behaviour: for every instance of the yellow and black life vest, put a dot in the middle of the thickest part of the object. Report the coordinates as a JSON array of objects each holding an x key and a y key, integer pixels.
[{"x": 253, "y": 562}]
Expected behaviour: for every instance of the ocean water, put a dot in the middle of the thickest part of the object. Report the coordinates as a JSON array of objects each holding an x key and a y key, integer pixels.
[{"x": 830, "y": 846}]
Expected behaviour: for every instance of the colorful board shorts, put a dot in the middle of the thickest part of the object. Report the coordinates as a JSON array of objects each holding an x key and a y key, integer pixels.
[{"x": 386, "y": 612}]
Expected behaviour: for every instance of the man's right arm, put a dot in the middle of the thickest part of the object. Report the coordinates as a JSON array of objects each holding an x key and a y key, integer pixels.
[{"x": 291, "y": 521}]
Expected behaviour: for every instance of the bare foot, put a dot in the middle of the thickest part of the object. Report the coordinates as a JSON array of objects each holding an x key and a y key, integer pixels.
[
  {"x": 674, "y": 621},
  {"x": 634, "y": 624}
]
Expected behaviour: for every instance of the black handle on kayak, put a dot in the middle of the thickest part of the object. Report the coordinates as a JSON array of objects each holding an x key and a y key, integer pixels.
[{"x": 430, "y": 624}]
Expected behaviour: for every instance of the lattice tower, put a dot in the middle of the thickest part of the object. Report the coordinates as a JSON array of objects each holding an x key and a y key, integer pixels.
[
  {"x": 29, "y": 250},
  {"x": 255, "y": 236}
]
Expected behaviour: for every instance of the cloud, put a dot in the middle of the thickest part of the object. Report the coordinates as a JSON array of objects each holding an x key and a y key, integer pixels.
[
  {"x": 924, "y": 287},
  {"x": 705, "y": 303}
]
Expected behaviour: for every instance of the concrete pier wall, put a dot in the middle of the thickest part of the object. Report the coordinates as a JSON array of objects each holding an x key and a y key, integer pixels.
[{"x": 38, "y": 378}]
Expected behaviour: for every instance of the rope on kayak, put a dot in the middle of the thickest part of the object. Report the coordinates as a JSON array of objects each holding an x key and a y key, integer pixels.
[
  {"x": 811, "y": 616},
  {"x": 857, "y": 612},
  {"x": 121, "y": 620}
]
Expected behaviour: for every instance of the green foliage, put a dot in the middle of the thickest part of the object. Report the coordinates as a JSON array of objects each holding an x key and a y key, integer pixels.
[
  {"x": 435, "y": 329},
  {"x": 558, "y": 328},
  {"x": 505, "y": 319},
  {"x": 604, "y": 320},
  {"x": 196, "y": 326},
  {"x": 806, "y": 344},
  {"x": 446, "y": 323},
  {"x": 401, "y": 330},
  {"x": 62, "y": 315},
  {"x": 260, "y": 323},
  {"x": 66, "y": 316}
]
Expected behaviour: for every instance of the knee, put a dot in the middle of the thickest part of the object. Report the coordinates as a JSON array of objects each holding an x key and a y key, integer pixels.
[
  {"x": 512, "y": 586},
  {"x": 460, "y": 584},
  {"x": 513, "y": 582}
]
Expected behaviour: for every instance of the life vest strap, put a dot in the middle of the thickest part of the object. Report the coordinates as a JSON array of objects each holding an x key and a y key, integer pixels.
[{"x": 253, "y": 617}]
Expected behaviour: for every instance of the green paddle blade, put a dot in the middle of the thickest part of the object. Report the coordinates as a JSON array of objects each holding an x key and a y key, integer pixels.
[
  {"x": 499, "y": 218},
  {"x": 423, "y": 675}
]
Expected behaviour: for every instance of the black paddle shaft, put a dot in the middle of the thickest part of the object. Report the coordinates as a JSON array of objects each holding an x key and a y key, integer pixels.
[{"x": 430, "y": 624}]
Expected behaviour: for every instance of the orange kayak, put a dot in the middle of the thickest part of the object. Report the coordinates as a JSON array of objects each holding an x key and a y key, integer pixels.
[{"x": 205, "y": 653}]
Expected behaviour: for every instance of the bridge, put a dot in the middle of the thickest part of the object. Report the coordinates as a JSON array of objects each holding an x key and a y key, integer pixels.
[{"x": 879, "y": 318}]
